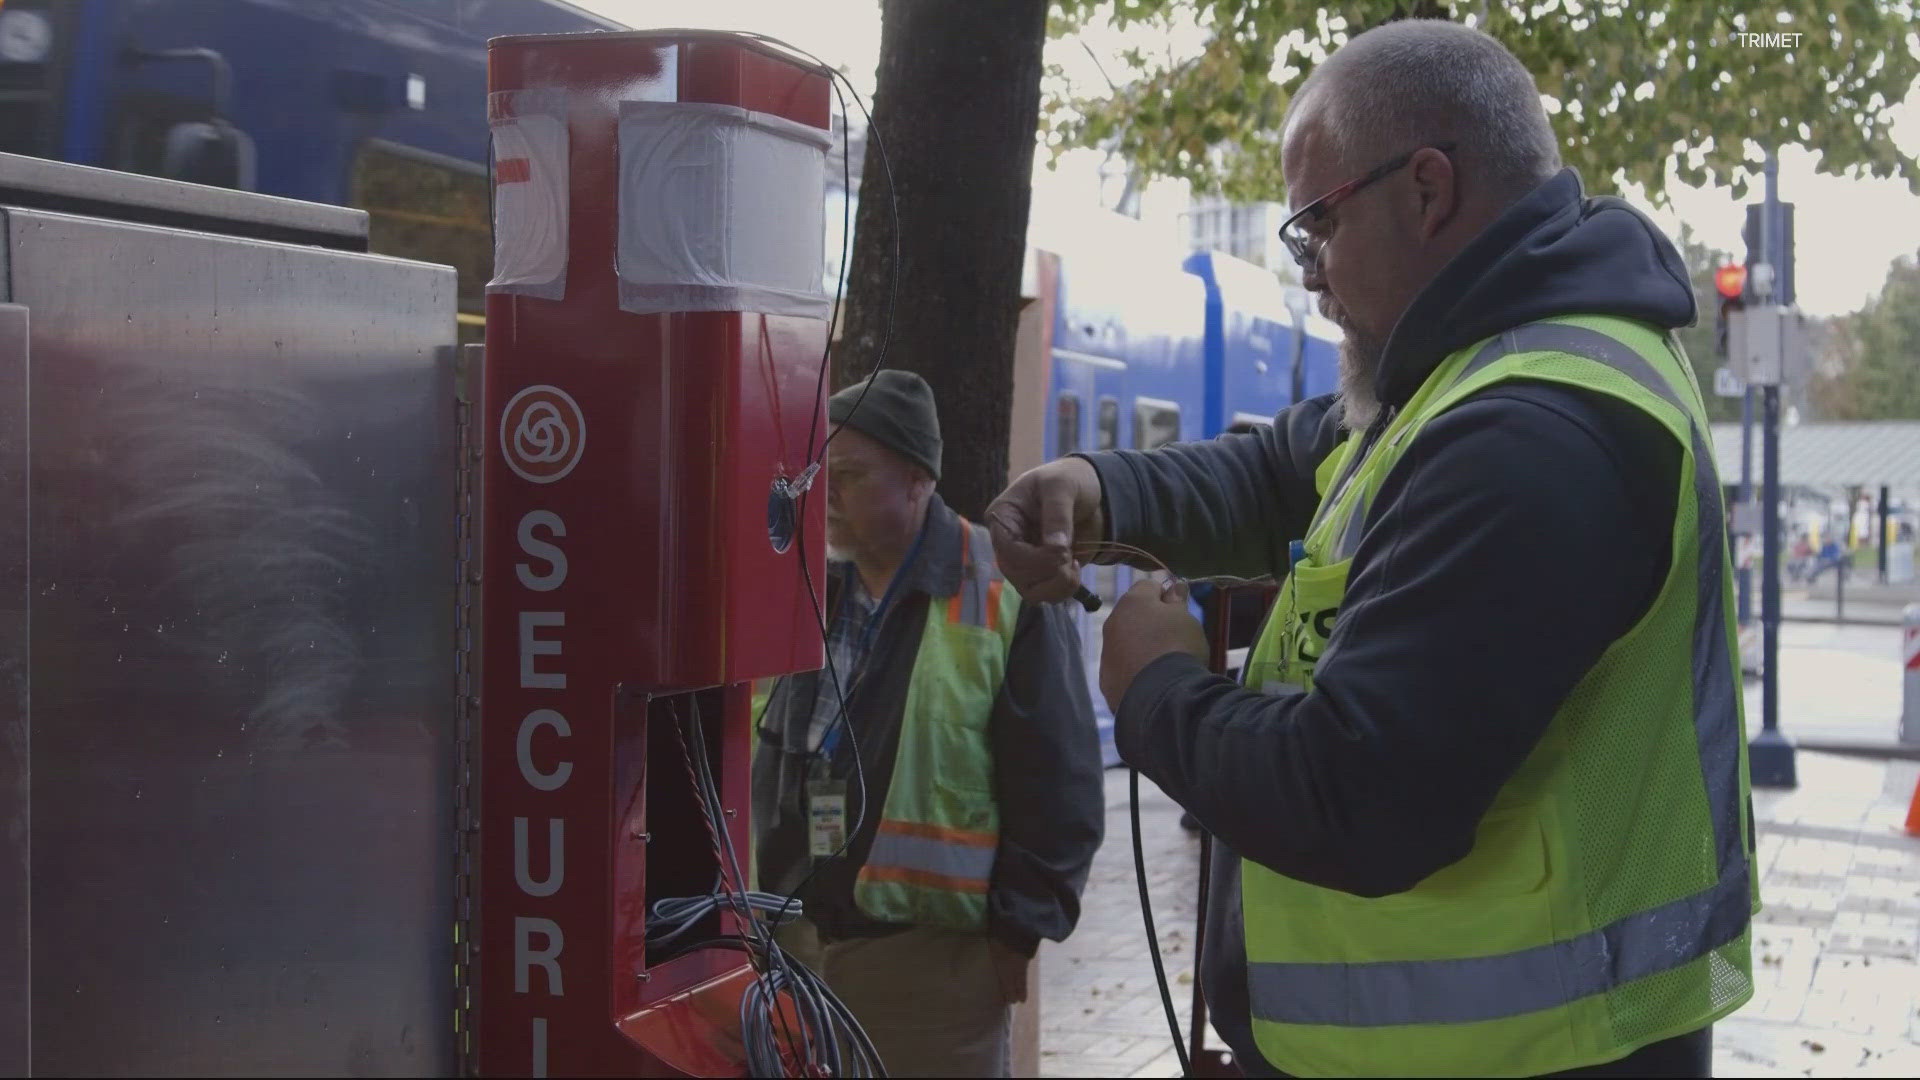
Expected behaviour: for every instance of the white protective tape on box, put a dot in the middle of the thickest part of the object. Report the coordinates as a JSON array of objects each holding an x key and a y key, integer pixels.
[
  {"x": 529, "y": 192},
  {"x": 721, "y": 209}
]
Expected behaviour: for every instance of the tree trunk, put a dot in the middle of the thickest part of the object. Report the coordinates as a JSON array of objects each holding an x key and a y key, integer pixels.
[{"x": 956, "y": 106}]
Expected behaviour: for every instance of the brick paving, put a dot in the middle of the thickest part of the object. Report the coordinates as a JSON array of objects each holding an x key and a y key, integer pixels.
[
  {"x": 1100, "y": 1012},
  {"x": 1836, "y": 948},
  {"x": 1837, "y": 945}
]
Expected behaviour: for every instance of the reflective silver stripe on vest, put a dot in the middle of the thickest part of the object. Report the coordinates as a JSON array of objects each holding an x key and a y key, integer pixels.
[
  {"x": 1349, "y": 541},
  {"x": 1645, "y": 943},
  {"x": 1356, "y": 523},
  {"x": 1391, "y": 992},
  {"x": 977, "y": 576},
  {"x": 973, "y": 601},
  {"x": 967, "y": 862},
  {"x": 1338, "y": 489}
]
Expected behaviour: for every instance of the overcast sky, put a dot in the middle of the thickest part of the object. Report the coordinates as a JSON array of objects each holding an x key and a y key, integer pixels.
[{"x": 1846, "y": 231}]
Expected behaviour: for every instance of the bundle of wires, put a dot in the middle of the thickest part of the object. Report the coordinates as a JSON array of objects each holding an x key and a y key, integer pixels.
[
  {"x": 790, "y": 1022},
  {"x": 812, "y": 1033}
]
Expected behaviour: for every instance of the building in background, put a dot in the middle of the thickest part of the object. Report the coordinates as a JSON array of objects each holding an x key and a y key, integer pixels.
[{"x": 1249, "y": 231}]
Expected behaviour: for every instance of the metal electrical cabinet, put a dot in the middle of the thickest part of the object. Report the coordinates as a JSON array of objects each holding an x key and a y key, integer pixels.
[{"x": 227, "y": 596}]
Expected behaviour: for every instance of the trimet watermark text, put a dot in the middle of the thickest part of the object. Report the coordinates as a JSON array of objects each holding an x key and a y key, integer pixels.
[{"x": 1767, "y": 41}]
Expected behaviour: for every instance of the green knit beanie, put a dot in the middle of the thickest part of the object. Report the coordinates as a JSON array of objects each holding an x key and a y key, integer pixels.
[{"x": 897, "y": 412}]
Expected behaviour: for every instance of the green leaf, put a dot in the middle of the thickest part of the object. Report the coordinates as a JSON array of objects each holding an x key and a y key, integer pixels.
[{"x": 1712, "y": 95}]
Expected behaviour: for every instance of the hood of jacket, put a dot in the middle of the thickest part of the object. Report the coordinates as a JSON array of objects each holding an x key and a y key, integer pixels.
[{"x": 1555, "y": 252}]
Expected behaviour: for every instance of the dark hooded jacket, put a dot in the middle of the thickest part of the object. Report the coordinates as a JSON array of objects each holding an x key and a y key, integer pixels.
[{"x": 1521, "y": 533}]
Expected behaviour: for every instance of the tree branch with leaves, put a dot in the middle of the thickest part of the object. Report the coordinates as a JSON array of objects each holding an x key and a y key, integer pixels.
[{"x": 1636, "y": 92}]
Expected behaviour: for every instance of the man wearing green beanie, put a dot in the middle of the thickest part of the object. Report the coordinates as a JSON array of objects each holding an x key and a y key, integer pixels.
[{"x": 970, "y": 716}]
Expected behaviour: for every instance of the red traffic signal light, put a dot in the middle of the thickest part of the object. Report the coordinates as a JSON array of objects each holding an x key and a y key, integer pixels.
[{"x": 1730, "y": 280}]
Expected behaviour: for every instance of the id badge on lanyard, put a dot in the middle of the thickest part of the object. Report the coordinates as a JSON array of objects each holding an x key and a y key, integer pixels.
[
  {"x": 826, "y": 795},
  {"x": 826, "y": 801},
  {"x": 826, "y": 816}
]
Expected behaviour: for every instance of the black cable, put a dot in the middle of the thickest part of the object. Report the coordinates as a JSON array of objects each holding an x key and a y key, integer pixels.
[
  {"x": 707, "y": 797},
  {"x": 846, "y": 240},
  {"x": 775, "y": 964},
  {"x": 823, "y": 1021},
  {"x": 710, "y": 794},
  {"x": 853, "y": 745},
  {"x": 1146, "y": 915},
  {"x": 839, "y": 720},
  {"x": 835, "y": 79},
  {"x": 893, "y": 279},
  {"x": 1197, "y": 1021},
  {"x": 747, "y": 945},
  {"x": 701, "y": 798},
  {"x": 796, "y": 982},
  {"x": 813, "y": 993},
  {"x": 893, "y": 204}
]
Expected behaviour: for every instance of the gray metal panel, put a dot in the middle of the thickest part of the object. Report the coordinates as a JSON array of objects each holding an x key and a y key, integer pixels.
[
  {"x": 242, "y": 588},
  {"x": 23, "y": 178},
  {"x": 14, "y": 751},
  {"x": 1832, "y": 454}
]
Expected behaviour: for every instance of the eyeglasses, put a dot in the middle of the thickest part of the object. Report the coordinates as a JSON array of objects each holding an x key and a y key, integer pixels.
[{"x": 1304, "y": 245}]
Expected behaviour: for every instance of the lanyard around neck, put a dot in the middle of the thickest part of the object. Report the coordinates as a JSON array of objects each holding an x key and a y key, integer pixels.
[{"x": 832, "y": 738}]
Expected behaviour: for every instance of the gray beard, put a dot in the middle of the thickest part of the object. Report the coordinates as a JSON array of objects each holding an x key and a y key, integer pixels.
[{"x": 1359, "y": 364}]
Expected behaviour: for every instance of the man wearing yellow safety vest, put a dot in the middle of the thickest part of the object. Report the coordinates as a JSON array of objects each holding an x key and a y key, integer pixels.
[
  {"x": 1484, "y": 777},
  {"x": 978, "y": 758}
]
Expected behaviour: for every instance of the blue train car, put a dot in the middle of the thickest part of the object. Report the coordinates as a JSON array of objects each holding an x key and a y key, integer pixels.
[
  {"x": 1265, "y": 348},
  {"x": 378, "y": 104}
]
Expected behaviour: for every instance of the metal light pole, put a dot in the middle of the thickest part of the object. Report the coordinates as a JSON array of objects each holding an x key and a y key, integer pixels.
[
  {"x": 1745, "y": 572},
  {"x": 1770, "y": 755}
]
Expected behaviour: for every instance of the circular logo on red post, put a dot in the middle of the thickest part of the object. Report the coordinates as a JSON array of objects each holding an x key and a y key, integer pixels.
[{"x": 542, "y": 434}]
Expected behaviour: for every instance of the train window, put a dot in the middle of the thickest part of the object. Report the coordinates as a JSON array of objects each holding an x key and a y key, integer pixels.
[
  {"x": 423, "y": 206},
  {"x": 1106, "y": 428},
  {"x": 1067, "y": 433},
  {"x": 35, "y": 41},
  {"x": 1155, "y": 423},
  {"x": 138, "y": 139}
]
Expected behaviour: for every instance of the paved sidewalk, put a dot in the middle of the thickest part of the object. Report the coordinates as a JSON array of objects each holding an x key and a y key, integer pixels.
[
  {"x": 1837, "y": 944},
  {"x": 1853, "y": 611},
  {"x": 1837, "y": 683},
  {"x": 1100, "y": 1011},
  {"x": 1836, "y": 948}
]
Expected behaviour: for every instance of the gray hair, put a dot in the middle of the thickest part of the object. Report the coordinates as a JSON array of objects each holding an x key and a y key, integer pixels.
[{"x": 1421, "y": 82}]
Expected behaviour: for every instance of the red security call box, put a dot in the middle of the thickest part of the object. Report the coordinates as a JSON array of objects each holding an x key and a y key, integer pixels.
[{"x": 655, "y": 330}]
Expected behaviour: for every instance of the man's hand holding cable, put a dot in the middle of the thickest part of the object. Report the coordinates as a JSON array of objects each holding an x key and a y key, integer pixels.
[
  {"x": 1149, "y": 622},
  {"x": 1037, "y": 522}
]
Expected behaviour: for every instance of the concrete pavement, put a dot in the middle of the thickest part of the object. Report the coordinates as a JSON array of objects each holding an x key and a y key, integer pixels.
[
  {"x": 1100, "y": 1007},
  {"x": 1829, "y": 610},
  {"x": 1837, "y": 683},
  {"x": 1837, "y": 943}
]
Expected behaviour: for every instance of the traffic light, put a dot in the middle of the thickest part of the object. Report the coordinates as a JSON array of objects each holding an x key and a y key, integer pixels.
[
  {"x": 1783, "y": 250},
  {"x": 1730, "y": 281}
]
